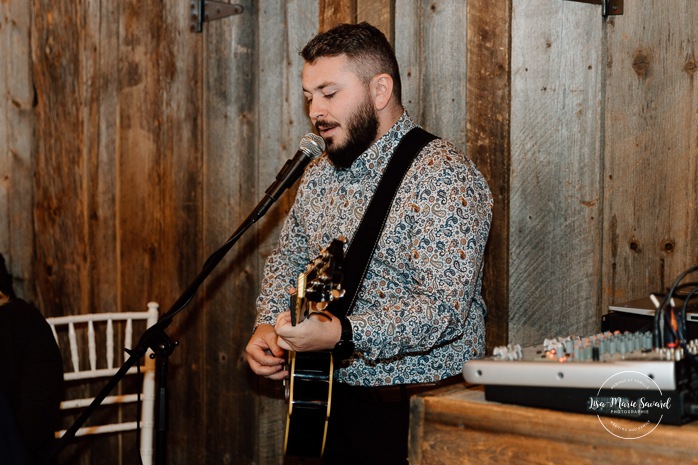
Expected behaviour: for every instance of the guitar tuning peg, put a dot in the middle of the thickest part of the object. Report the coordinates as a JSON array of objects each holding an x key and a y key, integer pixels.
[{"x": 338, "y": 293}]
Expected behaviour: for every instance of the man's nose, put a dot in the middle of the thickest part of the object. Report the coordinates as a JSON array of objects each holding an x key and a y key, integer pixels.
[{"x": 316, "y": 110}]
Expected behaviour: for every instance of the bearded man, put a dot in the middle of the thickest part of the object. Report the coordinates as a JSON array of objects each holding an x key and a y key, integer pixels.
[{"x": 418, "y": 313}]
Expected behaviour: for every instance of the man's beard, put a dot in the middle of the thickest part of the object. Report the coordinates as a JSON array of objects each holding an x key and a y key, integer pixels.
[{"x": 361, "y": 129}]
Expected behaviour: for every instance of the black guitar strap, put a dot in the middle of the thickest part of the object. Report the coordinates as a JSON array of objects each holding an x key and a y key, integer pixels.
[{"x": 365, "y": 241}]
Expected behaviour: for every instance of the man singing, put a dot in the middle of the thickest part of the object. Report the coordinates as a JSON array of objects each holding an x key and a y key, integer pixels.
[{"x": 419, "y": 313}]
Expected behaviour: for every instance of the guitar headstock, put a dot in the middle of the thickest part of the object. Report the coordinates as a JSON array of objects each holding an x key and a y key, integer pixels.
[{"x": 321, "y": 282}]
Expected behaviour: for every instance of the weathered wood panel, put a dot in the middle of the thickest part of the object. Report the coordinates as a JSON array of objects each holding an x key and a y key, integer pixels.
[
  {"x": 651, "y": 149},
  {"x": 169, "y": 61},
  {"x": 431, "y": 47},
  {"x": 378, "y": 13},
  {"x": 60, "y": 162},
  {"x": 229, "y": 183},
  {"x": 116, "y": 183},
  {"x": 16, "y": 145},
  {"x": 460, "y": 427},
  {"x": 241, "y": 157},
  {"x": 333, "y": 12},
  {"x": 556, "y": 70},
  {"x": 99, "y": 81},
  {"x": 283, "y": 122},
  {"x": 488, "y": 145},
  {"x": 65, "y": 95},
  {"x": 152, "y": 144},
  {"x": 157, "y": 166}
]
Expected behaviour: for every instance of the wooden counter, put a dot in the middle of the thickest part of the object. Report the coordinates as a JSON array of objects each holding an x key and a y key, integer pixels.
[{"x": 458, "y": 426}]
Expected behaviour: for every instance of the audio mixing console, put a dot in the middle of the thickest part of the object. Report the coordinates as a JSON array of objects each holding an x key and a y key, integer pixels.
[{"x": 611, "y": 374}]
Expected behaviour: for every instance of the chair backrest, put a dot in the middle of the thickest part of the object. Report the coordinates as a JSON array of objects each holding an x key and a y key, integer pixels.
[{"x": 92, "y": 353}]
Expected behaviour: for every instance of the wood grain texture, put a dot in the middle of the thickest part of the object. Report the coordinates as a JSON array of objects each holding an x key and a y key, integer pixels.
[
  {"x": 488, "y": 145},
  {"x": 61, "y": 254},
  {"x": 140, "y": 162},
  {"x": 334, "y": 12},
  {"x": 65, "y": 56},
  {"x": 378, "y": 13},
  {"x": 176, "y": 244},
  {"x": 431, "y": 47},
  {"x": 17, "y": 145},
  {"x": 131, "y": 148},
  {"x": 407, "y": 45},
  {"x": 255, "y": 99},
  {"x": 230, "y": 181},
  {"x": 651, "y": 147},
  {"x": 460, "y": 427},
  {"x": 116, "y": 181},
  {"x": 100, "y": 83},
  {"x": 556, "y": 65}
]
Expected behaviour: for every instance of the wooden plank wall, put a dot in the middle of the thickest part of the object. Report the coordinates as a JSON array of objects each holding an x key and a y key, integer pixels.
[
  {"x": 131, "y": 148},
  {"x": 603, "y": 160},
  {"x": 556, "y": 69},
  {"x": 488, "y": 145},
  {"x": 117, "y": 162},
  {"x": 651, "y": 148},
  {"x": 254, "y": 121},
  {"x": 17, "y": 99}
]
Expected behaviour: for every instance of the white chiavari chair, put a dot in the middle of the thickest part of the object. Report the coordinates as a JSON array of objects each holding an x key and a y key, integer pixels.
[{"x": 92, "y": 353}]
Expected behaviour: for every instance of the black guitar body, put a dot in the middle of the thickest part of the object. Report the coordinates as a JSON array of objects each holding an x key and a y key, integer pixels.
[
  {"x": 309, "y": 386},
  {"x": 309, "y": 394}
]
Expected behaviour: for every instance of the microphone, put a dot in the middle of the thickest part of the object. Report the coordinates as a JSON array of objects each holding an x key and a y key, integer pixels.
[{"x": 311, "y": 147}]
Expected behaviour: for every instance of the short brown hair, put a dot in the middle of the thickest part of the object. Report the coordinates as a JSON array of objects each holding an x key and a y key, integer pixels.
[{"x": 365, "y": 46}]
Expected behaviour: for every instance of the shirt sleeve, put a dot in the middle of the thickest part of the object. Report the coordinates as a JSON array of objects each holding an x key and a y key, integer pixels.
[
  {"x": 426, "y": 279},
  {"x": 281, "y": 269}
]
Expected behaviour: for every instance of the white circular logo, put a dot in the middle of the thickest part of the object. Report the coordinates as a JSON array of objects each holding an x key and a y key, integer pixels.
[{"x": 629, "y": 405}]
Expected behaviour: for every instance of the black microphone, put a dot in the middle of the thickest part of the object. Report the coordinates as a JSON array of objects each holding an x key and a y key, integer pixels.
[{"x": 311, "y": 147}]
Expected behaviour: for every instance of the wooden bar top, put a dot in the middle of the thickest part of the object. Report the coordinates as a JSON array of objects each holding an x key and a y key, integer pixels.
[{"x": 456, "y": 425}]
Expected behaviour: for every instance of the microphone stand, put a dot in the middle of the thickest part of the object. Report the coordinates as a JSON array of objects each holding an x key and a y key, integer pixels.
[{"x": 159, "y": 342}]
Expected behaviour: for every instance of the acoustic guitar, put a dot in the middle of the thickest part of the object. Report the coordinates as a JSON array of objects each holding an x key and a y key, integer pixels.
[{"x": 309, "y": 386}]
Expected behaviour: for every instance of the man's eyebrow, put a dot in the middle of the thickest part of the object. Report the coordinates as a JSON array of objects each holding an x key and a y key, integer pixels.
[{"x": 319, "y": 87}]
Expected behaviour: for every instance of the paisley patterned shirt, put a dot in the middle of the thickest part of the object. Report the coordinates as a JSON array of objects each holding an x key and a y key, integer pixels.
[{"x": 419, "y": 314}]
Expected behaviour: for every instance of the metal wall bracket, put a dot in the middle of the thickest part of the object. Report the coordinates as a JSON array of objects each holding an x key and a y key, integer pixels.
[
  {"x": 207, "y": 10},
  {"x": 609, "y": 7}
]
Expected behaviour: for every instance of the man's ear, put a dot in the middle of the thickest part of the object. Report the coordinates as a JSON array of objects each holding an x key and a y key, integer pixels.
[{"x": 381, "y": 87}]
